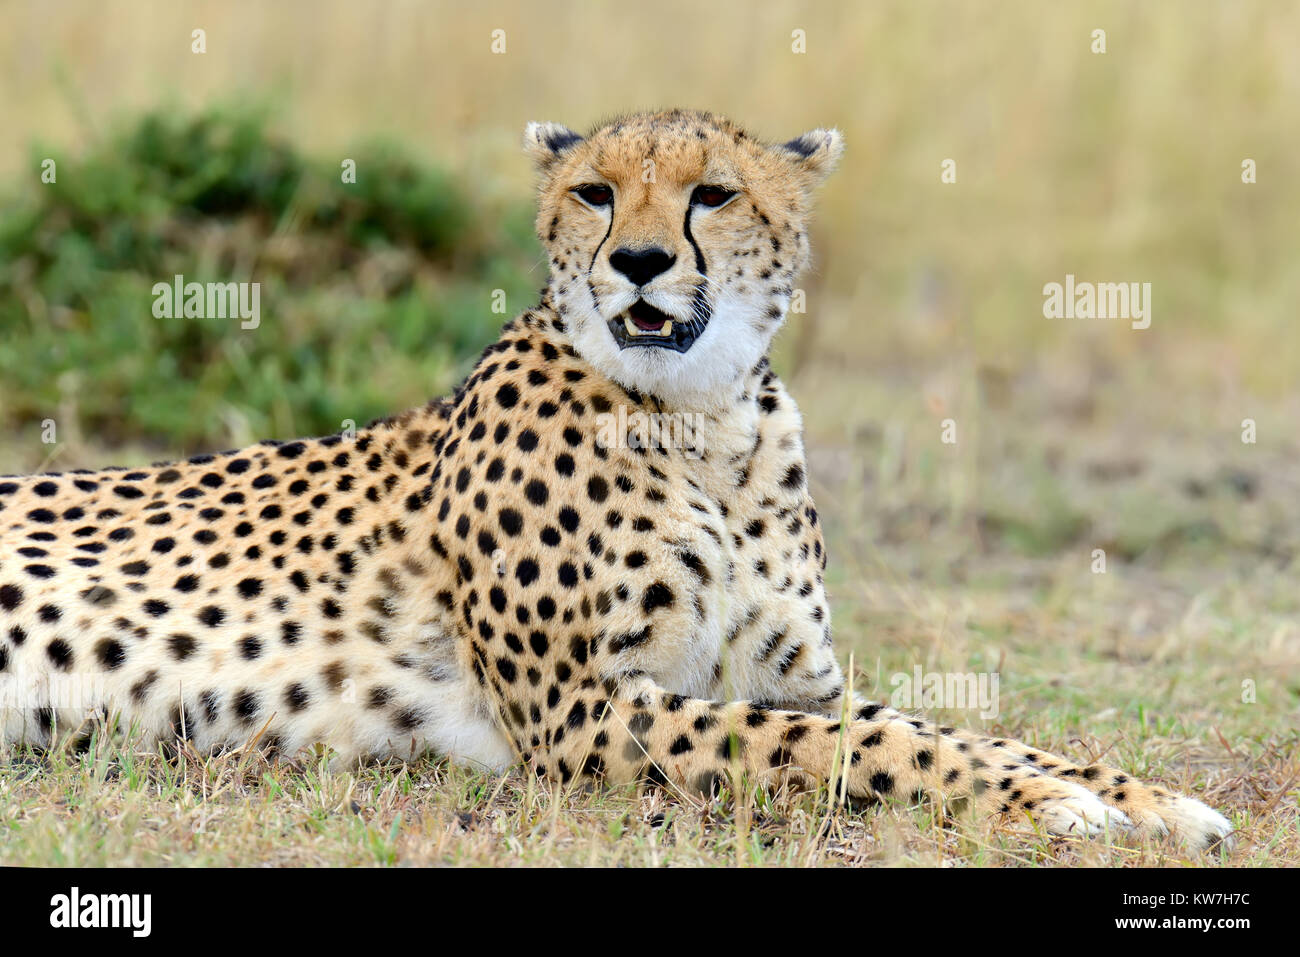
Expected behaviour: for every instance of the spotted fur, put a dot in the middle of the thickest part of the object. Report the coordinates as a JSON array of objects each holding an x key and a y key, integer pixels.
[{"x": 488, "y": 577}]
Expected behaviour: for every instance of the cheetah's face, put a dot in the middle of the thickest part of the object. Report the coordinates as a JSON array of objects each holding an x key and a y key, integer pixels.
[{"x": 674, "y": 241}]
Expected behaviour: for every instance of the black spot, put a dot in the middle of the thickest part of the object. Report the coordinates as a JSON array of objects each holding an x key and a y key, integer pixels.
[
  {"x": 536, "y": 492},
  {"x": 681, "y": 745},
  {"x": 211, "y": 615},
  {"x": 246, "y": 706},
  {"x": 629, "y": 639},
  {"x": 507, "y": 396},
  {"x": 695, "y": 566},
  {"x": 110, "y": 654},
  {"x": 527, "y": 571},
  {"x": 60, "y": 653},
  {"x": 568, "y": 519},
  {"x": 577, "y": 716},
  {"x": 506, "y": 668},
  {"x": 156, "y": 608},
  {"x": 140, "y": 690},
  {"x": 511, "y": 521},
  {"x": 296, "y": 697},
  {"x": 181, "y": 646},
  {"x": 11, "y": 596},
  {"x": 657, "y": 595}
]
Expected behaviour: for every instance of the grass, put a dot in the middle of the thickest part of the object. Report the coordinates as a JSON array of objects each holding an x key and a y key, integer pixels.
[{"x": 1178, "y": 664}]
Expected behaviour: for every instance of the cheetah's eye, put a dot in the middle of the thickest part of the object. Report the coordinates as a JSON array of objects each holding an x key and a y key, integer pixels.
[
  {"x": 711, "y": 195},
  {"x": 594, "y": 194}
]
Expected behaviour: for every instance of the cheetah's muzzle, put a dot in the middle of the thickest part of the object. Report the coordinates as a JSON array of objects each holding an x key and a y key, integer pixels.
[{"x": 644, "y": 325}]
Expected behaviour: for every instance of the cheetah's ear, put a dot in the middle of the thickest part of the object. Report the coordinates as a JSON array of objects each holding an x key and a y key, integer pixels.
[
  {"x": 816, "y": 153},
  {"x": 546, "y": 142}
]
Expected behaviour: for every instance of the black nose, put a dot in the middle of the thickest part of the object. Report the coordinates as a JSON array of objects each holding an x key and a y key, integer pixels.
[{"x": 641, "y": 265}]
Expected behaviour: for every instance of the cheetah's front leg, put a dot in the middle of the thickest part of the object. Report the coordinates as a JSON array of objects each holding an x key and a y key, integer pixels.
[
  {"x": 1011, "y": 767},
  {"x": 644, "y": 731}
]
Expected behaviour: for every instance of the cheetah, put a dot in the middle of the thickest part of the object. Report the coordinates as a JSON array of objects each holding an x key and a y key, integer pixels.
[{"x": 515, "y": 574}]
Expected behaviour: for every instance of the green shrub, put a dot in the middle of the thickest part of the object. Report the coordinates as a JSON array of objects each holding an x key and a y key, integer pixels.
[{"x": 374, "y": 295}]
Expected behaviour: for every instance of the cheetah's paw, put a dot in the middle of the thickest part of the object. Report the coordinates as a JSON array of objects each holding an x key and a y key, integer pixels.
[{"x": 1083, "y": 814}]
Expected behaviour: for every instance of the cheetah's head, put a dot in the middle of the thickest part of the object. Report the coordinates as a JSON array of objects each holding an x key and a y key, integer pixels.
[{"x": 674, "y": 241}]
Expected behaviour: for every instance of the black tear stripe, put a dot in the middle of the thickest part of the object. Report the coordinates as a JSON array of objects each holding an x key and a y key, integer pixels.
[
  {"x": 702, "y": 305},
  {"x": 699, "y": 256},
  {"x": 608, "y": 229}
]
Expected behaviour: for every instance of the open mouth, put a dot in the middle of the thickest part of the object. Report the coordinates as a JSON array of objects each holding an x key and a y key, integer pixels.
[{"x": 644, "y": 325}]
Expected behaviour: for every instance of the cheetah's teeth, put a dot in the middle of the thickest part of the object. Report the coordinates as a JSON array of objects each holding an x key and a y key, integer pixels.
[{"x": 663, "y": 331}]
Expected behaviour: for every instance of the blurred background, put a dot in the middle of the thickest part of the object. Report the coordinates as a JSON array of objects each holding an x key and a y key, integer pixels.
[{"x": 925, "y": 302}]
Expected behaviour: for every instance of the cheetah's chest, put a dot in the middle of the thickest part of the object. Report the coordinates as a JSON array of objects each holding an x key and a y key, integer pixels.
[{"x": 737, "y": 530}]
